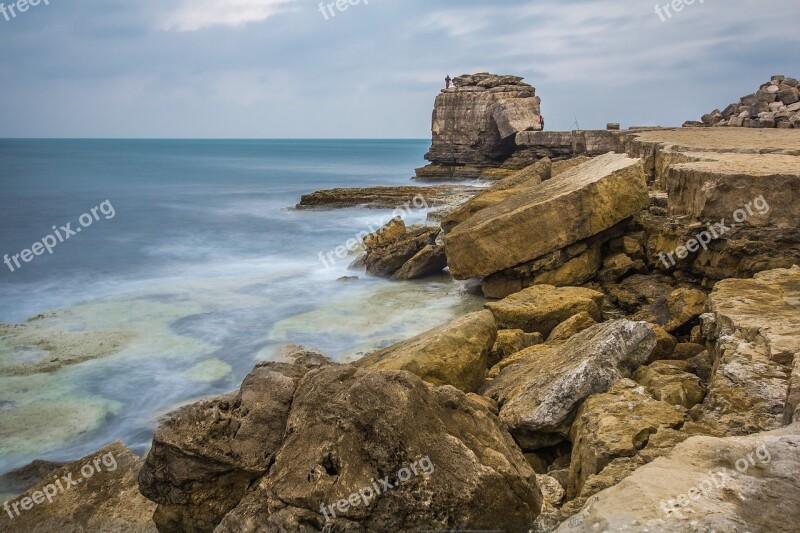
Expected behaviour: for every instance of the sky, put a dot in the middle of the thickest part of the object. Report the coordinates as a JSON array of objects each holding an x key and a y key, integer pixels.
[{"x": 285, "y": 69}]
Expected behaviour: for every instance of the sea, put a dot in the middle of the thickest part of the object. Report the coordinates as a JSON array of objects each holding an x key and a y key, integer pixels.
[{"x": 191, "y": 265}]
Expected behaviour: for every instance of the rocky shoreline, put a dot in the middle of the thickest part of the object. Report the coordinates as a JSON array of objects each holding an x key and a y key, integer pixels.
[{"x": 635, "y": 367}]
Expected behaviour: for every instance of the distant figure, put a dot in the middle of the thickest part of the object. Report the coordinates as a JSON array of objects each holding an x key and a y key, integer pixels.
[
  {"x": 541, "y": 122},
  {"x": 447, "y": 82}
]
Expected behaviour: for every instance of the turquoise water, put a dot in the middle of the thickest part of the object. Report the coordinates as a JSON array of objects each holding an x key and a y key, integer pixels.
[{"x": 204, "y": 269}]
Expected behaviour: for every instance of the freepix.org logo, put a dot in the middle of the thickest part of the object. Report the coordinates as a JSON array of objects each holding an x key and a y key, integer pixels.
[{"x": 19, "y": 7}]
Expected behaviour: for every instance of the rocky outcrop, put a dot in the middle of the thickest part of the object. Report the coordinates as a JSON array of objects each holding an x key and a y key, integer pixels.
[
  {"x": 776, "y": 104},
  {"x": 453, "y": 354},
  {"x": 475, "y": 123},
  {"x": 560, "y": 212},
  {"x": 539, "y": 395},
  {"x": 705, "y": 484},
  {"x": 429, "y": 261},
  {"x": 396, "y": 197},
  {"x": 389, "y": 257},
  {"x": 96, "y": 493}
]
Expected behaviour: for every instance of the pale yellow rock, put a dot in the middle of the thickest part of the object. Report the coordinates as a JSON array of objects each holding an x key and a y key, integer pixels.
[
  {"x": 571, "y": 326},
  {"x": 670, "y": 384}
]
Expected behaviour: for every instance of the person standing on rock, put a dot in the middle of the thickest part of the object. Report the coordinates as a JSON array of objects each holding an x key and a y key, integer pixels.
[
  {"x": 541, "y": 122},
  {"x": 447, "y": 82}
]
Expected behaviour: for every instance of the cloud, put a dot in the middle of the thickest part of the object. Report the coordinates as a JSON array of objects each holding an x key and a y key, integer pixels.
[{"x": 193, "y": 15}]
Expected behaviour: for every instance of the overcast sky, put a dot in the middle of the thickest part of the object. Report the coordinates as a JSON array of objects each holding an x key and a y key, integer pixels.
[{"x": 279, "y": 69}]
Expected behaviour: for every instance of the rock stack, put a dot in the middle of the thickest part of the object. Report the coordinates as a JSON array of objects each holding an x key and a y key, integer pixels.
[
  {"x": 776, "y": 104},
  {"x": 475, "y": 124}
]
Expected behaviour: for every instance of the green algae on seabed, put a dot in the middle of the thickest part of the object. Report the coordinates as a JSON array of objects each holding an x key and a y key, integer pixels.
[{"x": 209, "y": 371}]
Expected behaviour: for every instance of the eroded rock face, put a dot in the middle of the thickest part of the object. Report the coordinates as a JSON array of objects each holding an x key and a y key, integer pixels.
[
  {"x": 616, "y": 424},
  {"x": 429, "y": 261},
  {"x": 474, "y": 124},
  {"x": 453, "y": 354},
  {"x": 706, "y": 484},
  {"x": 386, "y": 260},
  {"x": 107, "y": 500},
  {"x": 385, "y": 197},
  {"x": 541, "y": 308},
  {"x": 753, "y": 325},
  {"x": 350, "y": 428},
  {"x": 575, "y": 205},
  {"x": 206, "y": 455},
  {"x": 539, "y": 395}
]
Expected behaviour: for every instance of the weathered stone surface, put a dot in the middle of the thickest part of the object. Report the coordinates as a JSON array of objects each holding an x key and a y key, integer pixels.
[
  {"x": 571, "y": 326},
  {"x": 753, "y": 326},
  {"x": 205, "y": 455},
  {"x": 106, "y": 500},
  {"x": 706, "y": 484},
  {"x": 511, "y": 341},
  {"x": 616, "y": 424},
  {"x": 665, "y": 345},
  {"x": 669, "y": 383},
  {"x": 429, "y": 261},
  {"x": 388, "y": 259},
  {"x": 453, "y": 354},
  {"x": 394, "y": 197},
  {"x": 615, "y": 266},
  {"x": 474, "y": 124},
  {"x": 539, "y": 395},
  {"x": 351, "y": 427},
  {"x": 542, "y": 307},
  {"x": 570, "y": 207},
  {"x": 390, "y": 232}
]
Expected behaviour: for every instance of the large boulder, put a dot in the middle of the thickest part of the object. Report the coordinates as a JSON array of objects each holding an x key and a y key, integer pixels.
[
  {"x": 747, "y": 483},
  {"x": 541, "y": 308},
  {"x": 575, "y": 205},
  {"x": 616, "y": 424},
  {"x": 384, "y": 451},
  {"x": 429, "y": 261},
  {"x": 453, "y": 354},
  {"x": 539, "y": 395},
  {"x": 205, "y": 455},
  {"x": 96, "y": 493}
]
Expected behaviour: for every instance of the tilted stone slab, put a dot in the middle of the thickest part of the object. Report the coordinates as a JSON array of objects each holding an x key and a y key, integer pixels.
[{"x": 561, "y": 211}]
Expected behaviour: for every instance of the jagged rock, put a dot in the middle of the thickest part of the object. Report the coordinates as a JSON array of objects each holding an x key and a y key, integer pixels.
[
  {"x": 669, "y": 382},
  {"x": 350, "y": 428},
  {"x": 105, "y": 500},
  {"x": 541, "y": 308},
  {"x": 511, "y": 341},
  {"x": 673, "y": 312},
  {"x": 616, "y": 266},
  {"x": 393, "y": 197},
  {"x": 540, "y": 394},
  {"x": 571, "y": 326},
  {"x": 570, "y": 207},
  {"x": 752, "y": 328},
  {"x": 705, "y": 484},
  {"x": 429, "y": 261},
  {"x": 359, "y": 263},
  {"x": 453, "y": 354},
  {"x": 615, "y": 424},
  {"x": 388, "y": 259},
  {"x": 665, "y": 345},
  {"x": 686, "y": 350},
  {"x": 205, "y": 455},
  {"x": 773, "y": 93},
  {"x": 390, "y": 232}
]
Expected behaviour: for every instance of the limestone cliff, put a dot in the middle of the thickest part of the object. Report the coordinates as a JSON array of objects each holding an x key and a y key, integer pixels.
[{"x": 475, "y": 124}]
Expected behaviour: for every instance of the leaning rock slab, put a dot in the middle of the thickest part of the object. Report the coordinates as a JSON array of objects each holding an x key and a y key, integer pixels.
[
  {"x": 453, "y": 354},
  {"x": 541, "y": 308},
  {"x": 350, "y": 428},
  {"x": 387, "y": 259},
  {"x": 575, "y": 205},
  {"x": 539, "y": 395}
]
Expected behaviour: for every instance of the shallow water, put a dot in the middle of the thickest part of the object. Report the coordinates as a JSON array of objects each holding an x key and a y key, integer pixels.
[{"x": 203, "y": 270}]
